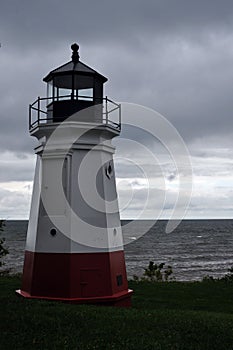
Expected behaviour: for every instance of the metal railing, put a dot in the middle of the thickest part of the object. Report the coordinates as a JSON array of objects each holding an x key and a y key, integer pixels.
[{"x": 41, "y": 110}]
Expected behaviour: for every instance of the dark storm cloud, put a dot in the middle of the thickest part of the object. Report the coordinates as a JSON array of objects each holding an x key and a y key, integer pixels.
[
  {"x": 41, "y": 23},
  {"x": 17, "y": 168},
  {"x": 173, "y": 56}
]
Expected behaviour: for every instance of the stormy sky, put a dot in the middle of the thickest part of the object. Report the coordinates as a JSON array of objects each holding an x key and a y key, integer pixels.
[{"x": 173, "y": 56}]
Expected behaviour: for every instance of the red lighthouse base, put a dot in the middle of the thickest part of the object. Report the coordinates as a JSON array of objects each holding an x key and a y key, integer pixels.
[
  {"x": 119, "y": 299},
  {"x": 86, "y": 278}
]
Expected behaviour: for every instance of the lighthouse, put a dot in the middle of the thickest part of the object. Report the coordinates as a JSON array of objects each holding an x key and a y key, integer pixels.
[{"x": 74, "y": 248}]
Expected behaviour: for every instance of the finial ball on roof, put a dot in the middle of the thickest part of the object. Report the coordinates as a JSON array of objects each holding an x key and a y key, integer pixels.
[
  {"x": 75, "y": 55},
  {"x": 75, "y": 47}
]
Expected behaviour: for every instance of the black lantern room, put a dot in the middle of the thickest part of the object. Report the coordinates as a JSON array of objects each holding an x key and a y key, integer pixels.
[{"x": 71, "y": 88}]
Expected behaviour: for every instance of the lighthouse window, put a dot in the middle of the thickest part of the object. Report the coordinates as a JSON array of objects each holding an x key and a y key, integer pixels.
[
  {"x": 53, "y": 232},
  {"x": 119, "y": 280},
  {"x": 85, "y": 94},
  {"x": 64, "y": 94},
  {"x": 109, "y": 170},
  {"x": 49, "y": 90}
]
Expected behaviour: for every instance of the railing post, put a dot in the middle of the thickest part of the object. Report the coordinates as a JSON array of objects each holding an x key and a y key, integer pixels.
[
  {"x": 106, "y": 109},
  {"x": 120, "y": 116},
  {"x": 38, "y": 110},
  {"x": 30, "y": 116}
]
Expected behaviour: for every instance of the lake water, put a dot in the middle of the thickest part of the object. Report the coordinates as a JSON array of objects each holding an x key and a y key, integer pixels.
[{"x": 196, "y": 248}]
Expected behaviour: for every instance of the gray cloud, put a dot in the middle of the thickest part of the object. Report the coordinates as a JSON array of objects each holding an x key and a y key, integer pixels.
[
  {"x": 40, "y": 23},
  {"x": 13, "y": 204},
  {"x": 16, "y": 167},
  {"x": 173, "y": 56}
]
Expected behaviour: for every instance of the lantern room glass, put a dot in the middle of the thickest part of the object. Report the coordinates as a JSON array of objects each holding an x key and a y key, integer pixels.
[{"x": 66, "y": 87}]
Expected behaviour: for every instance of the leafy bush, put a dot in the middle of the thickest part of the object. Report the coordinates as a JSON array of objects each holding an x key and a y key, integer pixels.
[
  {"x": 156, "y": 273},
  {"x": 3, "y": 250},
  {"x": 208, "y": 279},
  {"x": 227, "y": 278}
]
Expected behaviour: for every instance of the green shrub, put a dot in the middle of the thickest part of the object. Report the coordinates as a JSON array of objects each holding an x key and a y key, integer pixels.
[
  {"x": 3, "y": 250},
  {"x": 227, "y": 278},
  {"x": 157, "y": 272}
]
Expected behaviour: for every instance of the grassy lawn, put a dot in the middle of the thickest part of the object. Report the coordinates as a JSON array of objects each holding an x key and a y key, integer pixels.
[{"x": 163, "y": 316}]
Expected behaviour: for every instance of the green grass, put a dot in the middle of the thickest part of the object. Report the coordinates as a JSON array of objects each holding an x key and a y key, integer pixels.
[{"x": 163, "y": 316}]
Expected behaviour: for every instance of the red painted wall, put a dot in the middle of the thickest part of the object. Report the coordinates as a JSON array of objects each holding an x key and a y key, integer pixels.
[{"x": 61, "y": 275}]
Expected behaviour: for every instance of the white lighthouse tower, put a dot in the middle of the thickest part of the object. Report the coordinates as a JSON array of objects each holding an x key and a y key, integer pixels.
[{"x": 74, "y": 249}]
